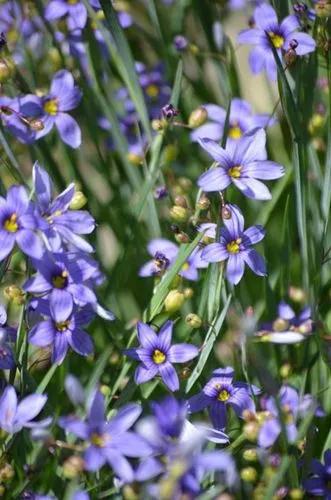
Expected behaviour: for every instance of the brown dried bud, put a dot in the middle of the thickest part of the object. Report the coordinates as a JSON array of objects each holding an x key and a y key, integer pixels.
[
  {"x": 203, "y": 203},
  {"x": 73, "y": 466},
  {"x": 182, "y": 237},
  {"x": 180, "y": 201},
  {"x": 226, "y": 213},
  {"x": 36, "y": 124}
]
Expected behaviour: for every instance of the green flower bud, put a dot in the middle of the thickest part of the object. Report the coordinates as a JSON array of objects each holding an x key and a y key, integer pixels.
[
  {"x": 78, "y": 201},
  {"x": 248, "y": 474},
  {"x": 193, "y": 320},
  {"x": 174, "y": 301},
  {"x": 198, "y": 117}
]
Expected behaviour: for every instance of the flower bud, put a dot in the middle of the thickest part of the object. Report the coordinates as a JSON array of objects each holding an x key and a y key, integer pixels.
[
  {"x": 36, "y": 124},
  {"x": 251, "y": 430},
  {"x": 285, "y": 370},
  {"x": 179, "y": 214},
  {"x": 158, "y": 125},
  {"x": 198, "y": 117},
  {"x": 180, "y": 43},
  {"x": 180, "y": 201},
  {"x": 129, "y": 493},
  {"x": 105, "y": 390},
  {"x": 170, "y": 153},
  {"x": 188, "y": 293},
  {"x": 226, "y": 213},
  {"x": 182, "y": 237},
  {"x": 248, "y": 474},
  {"x": 135, "y": 159},
  {"x": 323, "y": 8},
  {"x": 296, "y": 494},
  {"x": 185, "y": 184},
  {"x": 6, "y": 473},
  {"x": 290, "y": 56},
  {"x": 194, "y": 49},
  {"x": 250, "y": 455},
  {"x": 296, "y": 294},
  {"x": 78, "y": 201},
  {"x": 193, "y": 320},
  {"x": 7, "y": 69},
  {"x": 174, "y": 301},
  {"x": 280, "y": 325},
  {"x": 73, "y": 466},
  {"x": 316, "y": 123},
  {"x": 2, "y": 490},
  {"x": 203, "y": 203},
  {"x": 169, "y": 111},
  {"x": 15, "y": 294}
]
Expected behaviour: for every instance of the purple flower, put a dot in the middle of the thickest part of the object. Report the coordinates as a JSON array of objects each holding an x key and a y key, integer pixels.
[
  {"x": 109, "y": 441},
  {"x": 240, "y": 163},
  {"x": 7, "y": 338},
  {"x": 235, "y": 247},
  {"x": 241, "y": 120},
  {"x": 156, "y": 355},
  {"x": 267, "y": 33},
  {"x": 164, "y": 253},
  {"x": 52, "y": 109},
  {"x": 74, "y": 10},
  {"x": 14, "y": 416},
  {"x": 62, "y": 328},
  {"x": 59, "y": 223},
  {"x": 319, "y": 483},
  {"x": 18, "y": 225},
  {"x": 220, "y": 392},
  {"x": 293, "y": 407}
]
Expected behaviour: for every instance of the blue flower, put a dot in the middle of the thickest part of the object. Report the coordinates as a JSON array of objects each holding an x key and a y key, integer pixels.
[
  {"x": 319, "y": 484},
  {"x": 156, "y": 355}
]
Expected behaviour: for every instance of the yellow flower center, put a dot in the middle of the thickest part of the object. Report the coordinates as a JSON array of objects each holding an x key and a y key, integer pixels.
[
  {"x": 62, "y": 326},
  {"x": 223, "y": 395},
  {"x": 235, "y": 171},
  {"x": 60, "y": 280},
  {"x": 10, "y": 224},
  {"x": 235, "y": 132},
  {"x": 158, "y": 357},
  {"x": 99, "y": 440},
  {"x": 185, "y": 266},
  {"x": 152, "y": 90},
  {"x": 234, "y": 246},
  {"x": 51, "y": 107},
  {"x": 276, "y": 40},
  {"x": 72, "y": 2}
]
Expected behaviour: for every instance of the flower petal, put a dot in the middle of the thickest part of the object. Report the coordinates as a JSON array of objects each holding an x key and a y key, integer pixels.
[
  {"x": 30, "y": 243},
  {"x": 267, "y": 170},
  {"x": 169, "y": 376},
  {"x": 253, "y": 188},
  {"x": 181, "y": 353},
  {"x": 255, "y": 261},
  {"x": 215, "y": 179},
  {"x": 215, "y": 252},
  {"x": 235, "y": 268},
  {"x": 69, "y": 130},
  {"x": 216, "y": 152},
  {"x": 29, "y": 408}
]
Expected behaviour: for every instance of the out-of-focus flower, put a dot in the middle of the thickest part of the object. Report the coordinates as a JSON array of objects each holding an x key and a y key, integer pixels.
[
  {"x": 53, "y": 108},
  {"x": 235, "y": 246},
  {"x": 241, "y": 120},
  {"x": 293, "y": 407},
  {"x": 14, "y": 416},
  {"x": 180, "y": 43},
  {"x": 287, "y": 328},
  {"x": 268, "y": 33},
  {"x": 241, "y": 163},
  {"x": 109, "y": 441},
  {"x": 74, "y": 11},
  {"x": 18, "y": 224},
  {"x": 221, "y": 391},
  {"x": 156, "y": 355},
  {"x": 319, "y": 483},
  {"x": 58, "y": 223}
]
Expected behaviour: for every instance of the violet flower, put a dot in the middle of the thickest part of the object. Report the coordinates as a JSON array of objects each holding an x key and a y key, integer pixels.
[
  {"x": 74, "y": 11},
  {"x": 319, "y": 483},
  {"x": 14, "y": 416},
  {"x": 241, "y": 163},
  {"x": 58, "y": 223},
  {"x": 53, "y": 108},
  {"x": 267, "y": 33},
  {"x": 109, "y": 441},
  {"x": 235, "y": 246},
  {"x": 18, "y": 225},
  {"x": 7, "y": 338},
  {"x": 220, "y": 392},
  {"x": 241, "y": 120},
  {"x": 62, "y": 328},
  {"x": 156, "y": 355}
]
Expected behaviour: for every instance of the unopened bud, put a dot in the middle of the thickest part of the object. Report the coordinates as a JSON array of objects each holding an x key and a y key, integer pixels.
[
  {"x": 6, "y": 473},
  {"x": 73, "y": 466},
  {"x": 251, "y": 430},
  {"x": 203, "y": 203},
  {"x": 226, "y": 213},
  {"x": 185, "y": 373},
  {"x": 194, "y": 49},
  {"x": 135, "y": 159},
  {"x": 198, "y": 117},
  {"x": 179, "y": 214},
  {"x": 296, "y": 294},
  {"x": 323, "y": 8},
  {"x": 290, "y": 56},
  {"x": 188, "y": 293},
  {"x": 174, "y": 301},
  {"x": 158, "y": 125},
  {"x": 170, "y": 153},
  {"x": 316, "y": 123},
  {"x": 296, "y": 494},
  {"x": 180, "y": 201},
  {"x": 7, "y": 69},
  {"x": 78, "y": 201},
  {"x": 280, "y": 325},
  {"x": 129, "y": 493},
  {"x": 15, "y": 294},
  {"x": 185, "y": 184},
  {"x": 250, "y": 455},
  {"x": 105, "y": 390},
  {"x": 169, "y": 111},
  {"x": 193, "y": 320},
  {"x": 182, "y": 237},
  {"x": 248, "y": 474},
  {"x": 36, "y": 124},
  {"x": 285, "y": 370}
]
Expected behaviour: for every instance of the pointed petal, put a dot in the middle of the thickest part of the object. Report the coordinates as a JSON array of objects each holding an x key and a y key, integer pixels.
[
  {"x": 169, "y": 376},
  {"x": 215, "y": 179},
  {"x": 29, "y": 408},
  {"x": 181, "y": 353}
]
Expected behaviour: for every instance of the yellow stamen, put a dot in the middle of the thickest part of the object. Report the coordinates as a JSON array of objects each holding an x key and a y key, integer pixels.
[
  {"x": 223, "y": 395},
  {"x": 51, "y": 107},
  {"x": 234, "y": 246},
  {"x": 158, "y": 357},
  {"x": 99, "y": 440},
  {"x": 62, "y": 326},
  {"x": 152, "y": 90},
  {"x": 235, "y": 132},
  {"x": 235, "y": 171},
  {"x": 276, "y": 40},
  {"x": 72, "y": 2},
  {"x": 60, "y": 281},
  {"x": 10, "y": 224},
  {"x": 186, "y": 266}
]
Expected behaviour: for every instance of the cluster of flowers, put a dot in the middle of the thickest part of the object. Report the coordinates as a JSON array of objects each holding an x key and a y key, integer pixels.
[{"x": 49, "y": 233}]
